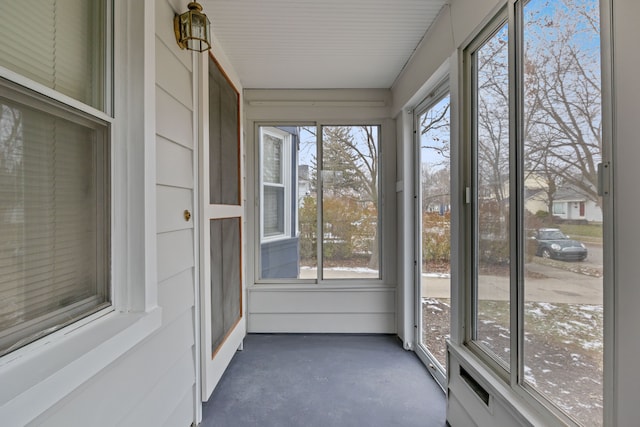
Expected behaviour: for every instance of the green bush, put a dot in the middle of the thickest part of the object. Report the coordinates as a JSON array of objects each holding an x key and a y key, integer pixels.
[
  {"x": 350, "y": 228},
  {"x": 493, "y": 251},
  {"x": 436, "y": 237},
  {"x": 307, "y": 224}
]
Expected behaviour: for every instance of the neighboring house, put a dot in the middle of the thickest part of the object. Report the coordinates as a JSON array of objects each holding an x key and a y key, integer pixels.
[
  {"x": 535, "y": 200},
  {"x": 279, "y": 244},
  {"x": 570, "y": 204},
  {"x": 304, "y": 182}
]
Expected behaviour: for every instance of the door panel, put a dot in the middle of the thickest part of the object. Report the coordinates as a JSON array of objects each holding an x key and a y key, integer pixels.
[
  {"x": 222, "y": 219},
  {"x": 434, "y": 222}
]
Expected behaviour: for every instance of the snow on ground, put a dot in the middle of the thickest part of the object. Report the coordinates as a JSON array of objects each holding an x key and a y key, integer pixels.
[
  {"x": 437, "y": 275},
  {"x": 563, "y": 349},
  {"x": 362, "y": 270}
]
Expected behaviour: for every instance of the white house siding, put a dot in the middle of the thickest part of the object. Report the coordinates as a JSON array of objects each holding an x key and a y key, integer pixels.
[{"x": 154, "y": 383}]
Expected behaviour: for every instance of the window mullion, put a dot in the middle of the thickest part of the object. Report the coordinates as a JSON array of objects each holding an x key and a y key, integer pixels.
[
  {"x": 515, "y": 198},
  {"x": 319, "y": 204}
]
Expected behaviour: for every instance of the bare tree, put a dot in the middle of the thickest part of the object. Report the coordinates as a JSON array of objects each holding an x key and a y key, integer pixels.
[
  {"x": 492, "y": 134},
  {"x": 563, "y": 137},
  {"x": 435, "y": 130},
  {"x": 561, "y": 120}
]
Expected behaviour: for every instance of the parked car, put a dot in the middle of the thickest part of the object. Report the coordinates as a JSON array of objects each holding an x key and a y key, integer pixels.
[{"x": 553, "y": 243}]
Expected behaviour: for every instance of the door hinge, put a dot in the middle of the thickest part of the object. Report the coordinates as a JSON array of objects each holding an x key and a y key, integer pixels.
[{"x": 467, "y": 195}]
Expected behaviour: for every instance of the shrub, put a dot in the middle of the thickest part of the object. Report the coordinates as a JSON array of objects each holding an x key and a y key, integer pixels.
[{"x": 436, "y": 237}]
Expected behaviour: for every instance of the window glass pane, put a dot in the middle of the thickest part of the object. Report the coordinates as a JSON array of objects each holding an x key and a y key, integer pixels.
[
  {"x": 435, "y": 219},
  {"x": 563, "y": 299},
  {"x": 53, "y": 219},
  {"x": 491, "y": 128},
  {"x": 350, "y": 197},
  {"x": 288, "y": 202},
  {"x": 59, "y": 44}
]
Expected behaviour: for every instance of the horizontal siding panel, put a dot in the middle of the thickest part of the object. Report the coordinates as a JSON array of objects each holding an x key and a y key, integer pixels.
[
  {"x": 127, "y": 381},
  {"x": 174, "y": 164},
  {"x": 171, "y": 203},
  {"x": 319, "y": 301},
  {"x": 173, "y": 120},
  {"x": 155, "y": 409},
  {"x": 175, "y": 253},
  {"x": 183, "y": 414},
  {"x": 172, "y": 75},
  {"x": 164, "y": 31},
  {"x": 176, "y": 296},
  {"x": 353, "y": 323}
]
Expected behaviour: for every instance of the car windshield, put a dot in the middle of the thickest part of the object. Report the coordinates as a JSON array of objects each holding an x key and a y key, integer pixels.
[{"x": 552, "y": 235}]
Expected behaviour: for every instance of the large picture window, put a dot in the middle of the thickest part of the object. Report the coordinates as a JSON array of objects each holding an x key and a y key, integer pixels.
[
  {"x": 535, "y": 251},
  {"x": 319, "y": 181}
]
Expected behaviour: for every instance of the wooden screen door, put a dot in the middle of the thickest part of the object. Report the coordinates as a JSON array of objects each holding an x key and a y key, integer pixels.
[{"x": 222, "y": 218}]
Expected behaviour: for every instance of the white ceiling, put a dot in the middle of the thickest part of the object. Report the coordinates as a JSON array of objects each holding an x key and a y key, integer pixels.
[{"x": 319, "y": 44}]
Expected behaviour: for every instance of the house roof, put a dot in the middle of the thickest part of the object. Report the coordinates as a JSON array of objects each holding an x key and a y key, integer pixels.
[
  {"x": 569, "y": 194},
  {"x": 328, "y": 44}
]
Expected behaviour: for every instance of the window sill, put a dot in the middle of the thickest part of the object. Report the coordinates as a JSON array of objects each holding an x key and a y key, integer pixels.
[
  {"x": 43, "y": 376},
  {"x": 325, "y": 285}
]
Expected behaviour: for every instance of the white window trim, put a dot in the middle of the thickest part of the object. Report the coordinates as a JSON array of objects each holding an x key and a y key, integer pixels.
[
  {"x": 43, "y": 373},
  {"x": 386, "y": 226},
  {"x": 286, "y": 175}
]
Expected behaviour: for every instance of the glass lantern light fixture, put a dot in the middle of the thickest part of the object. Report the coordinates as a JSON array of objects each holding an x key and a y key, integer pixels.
[{"x": 193, "y": 29}]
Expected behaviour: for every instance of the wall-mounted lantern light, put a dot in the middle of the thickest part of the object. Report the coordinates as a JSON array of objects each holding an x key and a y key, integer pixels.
[{"x": 193, "y": 29}]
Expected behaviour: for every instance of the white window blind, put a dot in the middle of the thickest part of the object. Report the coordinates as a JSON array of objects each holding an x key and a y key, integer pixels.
[
  {"x": 273, "y": 210},
  {"x": 58, "y": 43},
  {"x": 272, "y": 159},
  {"x": 53, "y": 216}
]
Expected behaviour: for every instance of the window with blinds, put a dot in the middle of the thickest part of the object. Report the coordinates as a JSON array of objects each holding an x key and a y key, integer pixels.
[
  {"x": 57, "y": 43},
  {"x": 53, "y": 217},
  {"x": 54, "y": 168}
]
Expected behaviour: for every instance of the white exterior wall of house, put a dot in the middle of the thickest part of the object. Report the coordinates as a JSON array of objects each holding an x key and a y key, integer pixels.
[
  {"x": 453, "y": 29},
  {"x": 592, "y": 212},
  {"x": 154, "y": 383}
]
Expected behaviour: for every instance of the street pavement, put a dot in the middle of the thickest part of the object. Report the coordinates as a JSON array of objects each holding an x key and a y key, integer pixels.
[{"x": 550, "y": 284}]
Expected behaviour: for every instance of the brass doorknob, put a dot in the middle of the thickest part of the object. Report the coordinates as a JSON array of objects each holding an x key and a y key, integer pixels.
[{"x": 187, "y": 215}]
